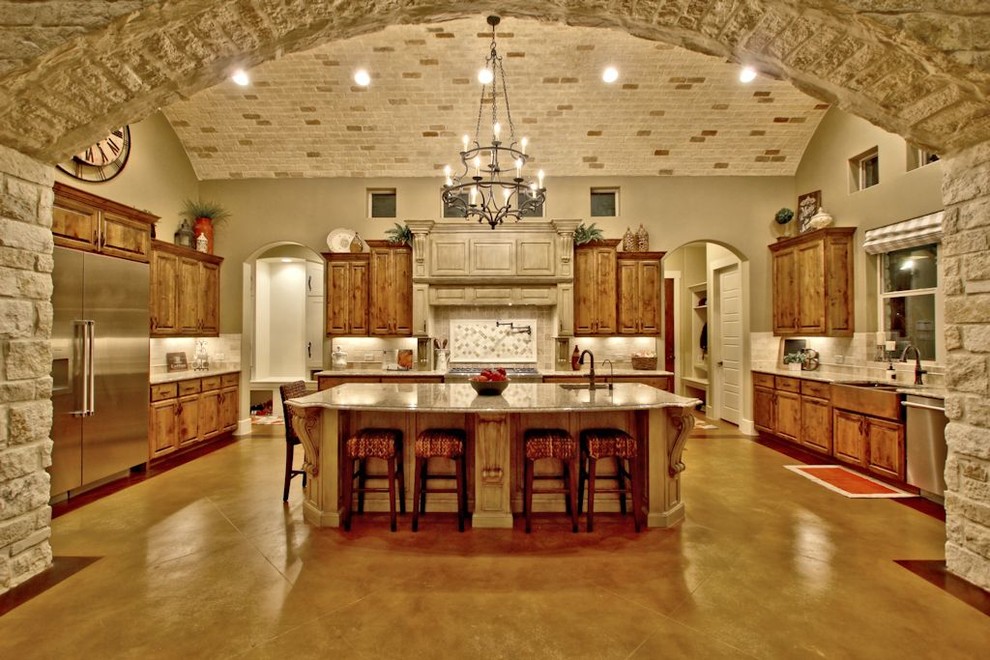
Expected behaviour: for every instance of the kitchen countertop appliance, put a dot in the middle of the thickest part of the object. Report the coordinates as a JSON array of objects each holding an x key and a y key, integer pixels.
[
  {"x": 926, "y": 448},
  {"x": 100, "y": 365}
]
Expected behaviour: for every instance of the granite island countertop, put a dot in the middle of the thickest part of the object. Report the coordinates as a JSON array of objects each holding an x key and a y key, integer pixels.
[
  {"x": 413, "y": 373},
  {"x": 518, "y": 397}
]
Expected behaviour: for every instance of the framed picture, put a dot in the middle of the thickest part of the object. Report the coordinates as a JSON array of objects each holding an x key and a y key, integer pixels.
[
  {"x": 807, "y": 207},
  {"x": 176, "y": 362}
]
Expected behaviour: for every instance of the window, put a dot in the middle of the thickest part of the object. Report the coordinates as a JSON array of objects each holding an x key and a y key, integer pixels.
[
  {"x": 864, "y": 170},
  {"x": 604, "y": 202},
  {"x": 919, "y": 157},
  {"x": 908, "y": 303},
  {"x": 381, "y": 203},
  {"x": 451, "y": 211}
]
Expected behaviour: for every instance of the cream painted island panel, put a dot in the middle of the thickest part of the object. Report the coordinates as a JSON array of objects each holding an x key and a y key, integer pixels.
[{"x": 495, "y": 426}]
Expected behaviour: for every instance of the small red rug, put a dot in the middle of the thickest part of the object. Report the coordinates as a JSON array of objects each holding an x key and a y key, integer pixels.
[{"x": 847, "y": 482}]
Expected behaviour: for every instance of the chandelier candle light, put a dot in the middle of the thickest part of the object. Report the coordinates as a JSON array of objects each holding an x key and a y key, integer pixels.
[{"x": 491, "y": 187}]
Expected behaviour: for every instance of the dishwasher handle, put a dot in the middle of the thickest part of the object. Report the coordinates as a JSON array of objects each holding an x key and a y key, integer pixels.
[{"x": 911, "y": 404}]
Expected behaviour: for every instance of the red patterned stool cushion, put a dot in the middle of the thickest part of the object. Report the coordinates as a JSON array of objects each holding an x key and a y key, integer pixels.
[
  {"x": 605, "y": 443},
  {"x": 447, "y": 443},
  {"x": 374, "y": 443},
  {"x": 549, "y": 443}
]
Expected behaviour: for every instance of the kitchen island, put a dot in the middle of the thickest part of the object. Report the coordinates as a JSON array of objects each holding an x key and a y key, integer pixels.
[{"x": 495, "y": 427}]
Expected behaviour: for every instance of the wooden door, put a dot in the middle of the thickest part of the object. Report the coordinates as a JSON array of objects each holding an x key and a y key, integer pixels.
[
  {"x": 650, "y": 279},
  {"x": 788, "y": 420},
  {"x": 810, "y": 297},
  {"x": 228, "y": 408},
  {"x": 163, "y": 427},
  {"x": 605, "y": 291},
  {"x": 400, "y": 292},
  {"x": 785, "y": 292},
  {"x": 209, "y": 299},
  {"x": 629, "y": 297},
  {"x": 379, "y": 300},
  {"x": 164, "y": 293},
  {"x": 188, "y": 296},
  {"x": 347, "y": 282},
  {"x": 839, "y": 286},
  {"x": 763, "y": 409},
  {"x": 816, "y": 424},
  {"x": 849, "y": 443},
  {"x": 125, "y": 238},
  {"x": 886, "y": 448},
  {"x": 209, "y": 414},
  {"x": 584, "y": 292},
  {"x": 188, "y": 420}
]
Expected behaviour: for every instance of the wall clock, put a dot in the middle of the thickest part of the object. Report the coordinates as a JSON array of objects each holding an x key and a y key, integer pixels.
[{"x": 103, "y": 160}]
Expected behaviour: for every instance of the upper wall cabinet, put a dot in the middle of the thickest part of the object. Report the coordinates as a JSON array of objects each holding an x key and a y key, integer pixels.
[
  {"x": 370, "y": 294},
  {"x": 595, "y": 288},
  {"x": 502, "y": 255},
  {"x": 640, "y": 282},
  {"x": 85, "y": 221},
  {"x": 347, "y": 284},
  {"x": 813, "y": 283},
  {"x": 185, "y": 292}
]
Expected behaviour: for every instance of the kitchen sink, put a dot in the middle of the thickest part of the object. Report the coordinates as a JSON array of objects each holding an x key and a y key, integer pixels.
[
  {"x": 583, "y": 386},
  {"x": 868, "y": 398},
  {"x": 871, "y": 384}
]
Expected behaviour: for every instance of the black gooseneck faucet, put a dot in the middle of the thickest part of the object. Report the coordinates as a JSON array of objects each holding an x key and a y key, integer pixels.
[{"x": 591, "y": 374}]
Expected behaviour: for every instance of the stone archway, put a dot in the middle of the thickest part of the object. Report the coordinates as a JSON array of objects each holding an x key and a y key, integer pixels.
[{"x": 918, "y": 73}]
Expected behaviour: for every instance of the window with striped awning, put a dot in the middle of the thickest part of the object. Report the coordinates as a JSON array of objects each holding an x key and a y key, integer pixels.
[{"x": 909, "y": 233}]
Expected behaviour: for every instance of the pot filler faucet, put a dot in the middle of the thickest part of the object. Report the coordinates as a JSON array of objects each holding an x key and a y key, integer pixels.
[
  {"x": 591, "y": 373},
  {"x": 917, "y": 363}
]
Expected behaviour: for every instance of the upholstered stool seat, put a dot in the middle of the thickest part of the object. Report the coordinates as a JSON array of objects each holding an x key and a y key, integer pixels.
[
  {"x": 440, "y": 443},
  {"x": 380, "y": 443},
  {"x": 541, "y": 444},
  {"x": 288, "y": 391},
  {"x": 599, "y": 443}
]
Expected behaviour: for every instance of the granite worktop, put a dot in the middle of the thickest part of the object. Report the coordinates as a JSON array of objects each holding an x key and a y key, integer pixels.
[
  {"x": 934, "y": 391},
  {"x": 157, "y": 377},
  {"x": 518, "y": 397}
]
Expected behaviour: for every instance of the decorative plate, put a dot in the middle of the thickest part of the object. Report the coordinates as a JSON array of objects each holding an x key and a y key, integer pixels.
[{"x": 339, "y": 240}]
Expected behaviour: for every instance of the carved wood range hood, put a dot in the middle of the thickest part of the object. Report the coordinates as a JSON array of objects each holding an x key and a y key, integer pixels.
[{"x": 528, "y": 264}]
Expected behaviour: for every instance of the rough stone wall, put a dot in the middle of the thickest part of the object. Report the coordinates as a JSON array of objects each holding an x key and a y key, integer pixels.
[
  {"x": 25, "y": 365},
  {"x": 966, "y": 261}
]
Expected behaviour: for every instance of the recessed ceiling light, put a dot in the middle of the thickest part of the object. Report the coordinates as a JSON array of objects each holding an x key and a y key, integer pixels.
[
  {"x": 362, "y": 77},
  {"x": 485, "y": 76},
  {"x": 241, "y": 78},
  {"x": 747, "y": 75},
  {"x": 610, "y": 75}
]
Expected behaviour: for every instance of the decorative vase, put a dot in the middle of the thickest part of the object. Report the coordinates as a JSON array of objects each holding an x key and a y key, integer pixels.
[
  {"x": 820, "y": 220},
  {"x": 643, "y": 239},
  {"x": 629, "y": 242},
  {"x": 204, "y": 227},
  {"x": 793, "y": 366}
]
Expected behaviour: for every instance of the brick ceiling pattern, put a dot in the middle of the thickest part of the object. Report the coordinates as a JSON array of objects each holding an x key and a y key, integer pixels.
[{"x": 672, "y": 112}]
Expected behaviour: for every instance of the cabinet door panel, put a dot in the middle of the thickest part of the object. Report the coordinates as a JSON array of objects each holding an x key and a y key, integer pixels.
[
  {"x": 188, "y": 420},
  {"x": 605, "y": 264},
  {"x": 75, "y": 225},
  {"x": 164, "y": 293},
  {"x": 650, "y": 280},
  {"x": 188, "y": 296},
  {"x": 584, "y": 291},
  {"x": 785, "y": 292},
  {"x": 209, "y": 414},
  {"x": 228, "y": 408},
  {"x": 379, "y": 305},
  {"x": 788, "y": 415},
  {"x": 163, "y": 438},
  {"x": 401, "y": 292},
  {"x": 208, "y": 299},
  {"x": 763, "y": 409},
  {"x": 810, "y": 296},
  {"x": 629, "y": 298},
  {"x": 848, "y": 435},
  {"x": 123, "y": 237},
  {"x": 816, "y": 424},
  {"x": 840, "y": 285},
  {"x": 886, "y": 443}
]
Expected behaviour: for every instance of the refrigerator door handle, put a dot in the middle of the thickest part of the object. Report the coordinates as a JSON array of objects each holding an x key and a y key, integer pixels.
[
  {"x": 89, "y": 406},
  {"x": 84, "y": 403}
]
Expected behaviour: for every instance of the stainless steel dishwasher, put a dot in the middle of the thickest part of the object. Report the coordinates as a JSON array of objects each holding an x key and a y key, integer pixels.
[{"x": 926, "y": 447}]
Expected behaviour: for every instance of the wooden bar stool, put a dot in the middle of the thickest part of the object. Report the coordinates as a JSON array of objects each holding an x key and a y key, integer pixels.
[
  {"x": 385, "y": 444},
  {"x": 288, "y": 391},
  {"x": 550, "y": 443},
  {"x": 610, "y": 443},
  {"x": 440, "y": 443}
]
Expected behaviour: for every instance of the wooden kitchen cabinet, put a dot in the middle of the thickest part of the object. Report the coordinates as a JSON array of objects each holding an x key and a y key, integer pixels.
[
  {"x": 849, "y": 437},
  {"x": 163, "y": 439},
  {"x": 347, "y": 282},
  {"x": 640, "y": 280},
  {"x": 816, "y": 424},
  {"x": 763, "y": 403},
  {"x": 191, "y": 411},
  {"x": 84, "y": 221},
  {"x": 595, "y": 288},
  {"x": 390, "y": 295},
  {"x": 812, "y": 278},
  {"x": 185, "y": 292},
  {"x": 788, "y": 415},
  {"x": 885, "y": 448}
]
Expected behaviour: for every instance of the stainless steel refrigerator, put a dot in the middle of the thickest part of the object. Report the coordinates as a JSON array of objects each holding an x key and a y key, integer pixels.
[{"x": 99, "y": 369}]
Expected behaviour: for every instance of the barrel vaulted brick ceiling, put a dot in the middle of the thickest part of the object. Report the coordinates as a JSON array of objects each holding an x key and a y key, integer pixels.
[
  {"x": 70, "y": 70},
  {"x": 672, "y": 112}
]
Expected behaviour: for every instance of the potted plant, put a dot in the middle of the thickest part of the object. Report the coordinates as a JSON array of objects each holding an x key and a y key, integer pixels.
[
  {"x": 204, "y": 215},
  {"x": 587, "y": 233},
  {"x": 783, "y": 217},
  {"x": 794, "y": 360},
  {"x": 399, "y": 235}
]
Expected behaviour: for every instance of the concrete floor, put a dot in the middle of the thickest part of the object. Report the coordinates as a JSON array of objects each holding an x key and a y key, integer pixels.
[{"x": 204, "y": 561}]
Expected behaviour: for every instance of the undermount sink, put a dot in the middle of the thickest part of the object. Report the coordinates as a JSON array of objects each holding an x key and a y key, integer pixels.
[
  {"x": 871, "y": 384},
  {"x": 583, "y": 386}
]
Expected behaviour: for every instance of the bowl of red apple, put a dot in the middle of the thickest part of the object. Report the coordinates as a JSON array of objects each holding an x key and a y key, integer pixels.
[{"x": 490, "y": 381}]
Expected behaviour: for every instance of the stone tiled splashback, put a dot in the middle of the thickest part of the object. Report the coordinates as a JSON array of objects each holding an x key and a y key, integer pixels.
[
  {"x": 619, "y": 349},
  {"x": 223, "y": 349},
  {"x": 852, "y": 356},
  {"x": 542, "y": 319},
  {"x": 479, "y": 340}
]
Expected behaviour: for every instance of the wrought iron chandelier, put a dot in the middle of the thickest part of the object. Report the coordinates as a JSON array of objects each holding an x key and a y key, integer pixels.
[{"x": 490, "y": 187}]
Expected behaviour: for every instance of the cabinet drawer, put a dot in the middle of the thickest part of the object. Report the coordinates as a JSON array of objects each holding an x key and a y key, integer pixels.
[
  {"x": 763, "y": 380},
  {"x": 229, "y": 380},
  {"x": 163, "y": 391},
  {"x": 785, "y": 384},
  {"x": 188, "y": 387},
  {"x": 211, "y": 383},
  {"x": 815, "y": 388}
]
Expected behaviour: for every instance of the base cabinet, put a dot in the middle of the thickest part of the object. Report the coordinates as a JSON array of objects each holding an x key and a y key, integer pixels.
[
  {"x": 816, "y": 424},
  {"x": 188, "y": 412},
  {"x": 849, "y": 442}
]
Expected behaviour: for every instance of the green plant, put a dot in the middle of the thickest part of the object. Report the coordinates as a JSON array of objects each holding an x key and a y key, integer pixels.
[
  {"x": 399, "y": 235},
  {"x": 587, "y": 233},
  {"x": 784, "y": 216},
  {"x": 793, "y": 358},
  {"x": 193, "y": 209}
]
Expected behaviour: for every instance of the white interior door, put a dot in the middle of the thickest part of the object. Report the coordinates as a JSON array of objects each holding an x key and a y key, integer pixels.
[{"x": 728, "y": 363}]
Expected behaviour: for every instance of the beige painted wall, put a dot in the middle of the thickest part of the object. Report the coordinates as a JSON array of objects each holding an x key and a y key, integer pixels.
[
  {"x": 900, "y": 195},
  {"x": 157, "y": 177}
]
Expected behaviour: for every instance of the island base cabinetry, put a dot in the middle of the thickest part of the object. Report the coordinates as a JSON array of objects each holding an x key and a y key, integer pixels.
[{"x": 189, "y": 412}]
